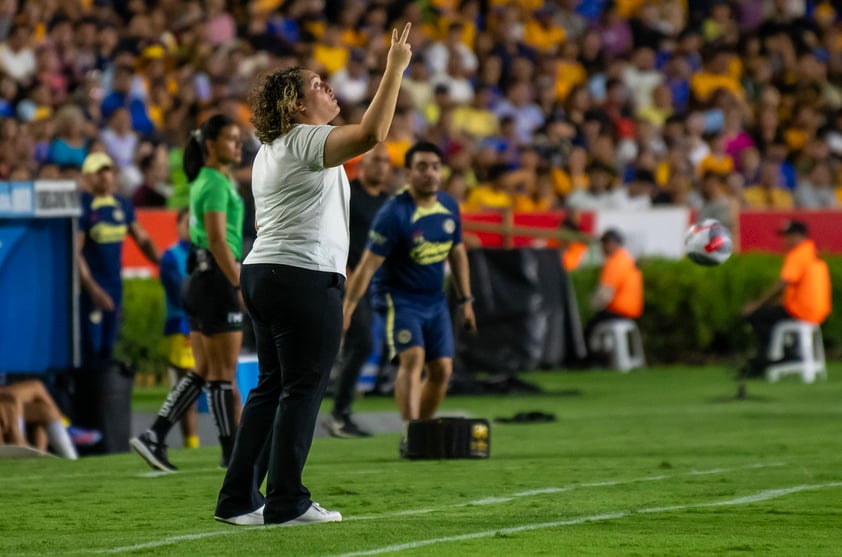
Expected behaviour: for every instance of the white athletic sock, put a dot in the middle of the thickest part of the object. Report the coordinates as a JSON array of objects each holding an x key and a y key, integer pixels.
[{"x": 60, "y": 441}]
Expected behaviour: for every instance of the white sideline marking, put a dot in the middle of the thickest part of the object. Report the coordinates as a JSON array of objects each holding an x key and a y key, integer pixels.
[
  {"x": 487, "y": 501},
  {"x": 15, "y": 480},
  {"x": 757, "y": 497},
  {"x": 551, "y": 490}
]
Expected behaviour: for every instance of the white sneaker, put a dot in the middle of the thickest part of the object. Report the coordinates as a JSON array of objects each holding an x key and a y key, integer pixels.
[
  {"x": 254, "y": 518},
  {"x": 315, "y": 514}
]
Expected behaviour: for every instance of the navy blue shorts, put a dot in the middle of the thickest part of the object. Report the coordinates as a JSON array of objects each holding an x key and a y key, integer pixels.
[
  {"x": 98, "y": 331},
  {"x": 410, "y": 324}
]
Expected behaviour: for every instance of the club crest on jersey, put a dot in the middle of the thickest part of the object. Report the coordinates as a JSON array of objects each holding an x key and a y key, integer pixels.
[
  {"x": 449, "y": 226},
  {"x": 119, "y": 216}
]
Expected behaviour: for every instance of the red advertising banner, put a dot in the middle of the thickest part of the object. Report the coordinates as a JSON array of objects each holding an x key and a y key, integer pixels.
[
  {"x": 160, "y": 224},
  {"x": 759, "y": 230}
]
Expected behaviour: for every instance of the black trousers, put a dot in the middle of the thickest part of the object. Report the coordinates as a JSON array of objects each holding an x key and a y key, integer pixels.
[
  {"x": 297, "y": 318},
  {"x": 355, "y": 351},
  {"x": 762, "y": 321}
]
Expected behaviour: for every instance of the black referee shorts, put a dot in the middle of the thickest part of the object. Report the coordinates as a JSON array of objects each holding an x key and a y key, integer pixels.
[{"x": 211, "y": 302}]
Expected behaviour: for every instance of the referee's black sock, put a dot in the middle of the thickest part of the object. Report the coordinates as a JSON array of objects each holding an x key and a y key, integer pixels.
[
  {"x": 221, "y": 402},
  {"x": 178, "y": 401}
]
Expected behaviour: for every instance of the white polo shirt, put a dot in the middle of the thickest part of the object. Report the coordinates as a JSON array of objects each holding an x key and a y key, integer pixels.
[{"x": 301, "y": 206}]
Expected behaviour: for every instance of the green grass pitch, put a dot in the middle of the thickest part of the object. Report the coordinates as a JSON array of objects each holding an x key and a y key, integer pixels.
[{"x": 655, "y": 462}]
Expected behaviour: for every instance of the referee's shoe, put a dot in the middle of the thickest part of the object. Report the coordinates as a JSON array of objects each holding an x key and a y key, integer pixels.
[
  {"x": 344, "y": 427},
  {"x": 154, "y": 453}
]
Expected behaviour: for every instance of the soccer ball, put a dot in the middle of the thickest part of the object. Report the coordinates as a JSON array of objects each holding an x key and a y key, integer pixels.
[{"x": 708, "y": 243}]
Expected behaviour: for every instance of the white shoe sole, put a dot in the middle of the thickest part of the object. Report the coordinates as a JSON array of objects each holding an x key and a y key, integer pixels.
[
  {"x": 314, "y": 518},
  {"x": 144, "y": 453},
  {"x": 254, "y": 518}
]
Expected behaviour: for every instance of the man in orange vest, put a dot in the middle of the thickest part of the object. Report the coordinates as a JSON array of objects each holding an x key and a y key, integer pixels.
[
  {"x": 620, "y": 291},
  {"x": 805, "y": 284}
]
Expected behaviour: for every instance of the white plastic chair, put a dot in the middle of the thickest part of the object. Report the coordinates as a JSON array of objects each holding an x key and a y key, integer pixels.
[
  {"x": 808, "y": 337},
  {"x": 621, "y": 338}
]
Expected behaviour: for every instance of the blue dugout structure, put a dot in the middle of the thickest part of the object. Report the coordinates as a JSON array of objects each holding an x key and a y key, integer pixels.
[{"x": 39, "y": 286}]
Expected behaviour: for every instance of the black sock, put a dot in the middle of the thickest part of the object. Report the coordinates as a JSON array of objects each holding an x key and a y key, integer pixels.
[
  {"x": 178, "y": 401},
  {"x": 221, "y": 402}
]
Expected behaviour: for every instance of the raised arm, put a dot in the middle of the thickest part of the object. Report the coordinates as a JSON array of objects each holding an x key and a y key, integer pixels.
[{"x": 346, "y": 142}]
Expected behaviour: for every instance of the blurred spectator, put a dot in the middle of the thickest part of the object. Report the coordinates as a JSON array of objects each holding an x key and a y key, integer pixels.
[
  {"x": 660, "y": 108},
  {"x": 816, "y": 190},
  {"x": 119, "y": 138},
  {"x": 477, "y": 119},
  {"x": 717, "y": 161},
  {"x": 677, "y": 191},
  {"x": 495, "y": 194},
  {"x": 541, "y": 31},
  {"x": 717, "y": 204},
  {"x": 598, "y": 194},
  {"x": 574, "y": 175},
  {"x": 220, "y": 27},
  {"x": 351, "y": 83},
  {"x": 122, "y": 96},
  {"x": 457, "y": 80},
  {"x": 520, "y": 106},
  {"x": 804, "y": 285},
  {"x": 536, "y": 196},
  {"x": 17, "y": 57},
  {"x": 30, "y": 416},
  {"x": 418, "y": 84},
  {"x": 152, "y": 192},
  {"x": 641, "y": 77},
  {"x": 768, "y": 193},
  {"x": 456, "y": 186},
  {"x": 637, "y": 195},
  {"x": 330, "y": 52},
  {"x": 70, "y": 144},
  {"x": 439, "y": 53},
  {"x": 619, "y": 294}
]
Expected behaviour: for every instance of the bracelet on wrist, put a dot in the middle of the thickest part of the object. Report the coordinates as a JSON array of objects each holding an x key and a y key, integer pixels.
[
  {"x": 465, "y": 300},
  {"x": 236, "y": 287}
]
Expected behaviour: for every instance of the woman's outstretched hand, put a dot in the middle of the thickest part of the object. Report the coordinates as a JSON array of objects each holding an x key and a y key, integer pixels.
[{"x": 400, "y": 52}]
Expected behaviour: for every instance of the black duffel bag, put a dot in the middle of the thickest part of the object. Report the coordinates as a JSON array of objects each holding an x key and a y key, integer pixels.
[{"x": 441, "y": 438}]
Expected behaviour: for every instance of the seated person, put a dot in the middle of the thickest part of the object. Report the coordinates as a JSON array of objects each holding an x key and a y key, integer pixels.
[
  {"x": 805, "y": 285},
  {"x": 27, "y": 407},
  {"x": 620, "y": 291}
]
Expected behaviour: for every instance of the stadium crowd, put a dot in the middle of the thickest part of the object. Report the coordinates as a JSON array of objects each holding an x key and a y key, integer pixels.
[{"x": 537, "y": 104}]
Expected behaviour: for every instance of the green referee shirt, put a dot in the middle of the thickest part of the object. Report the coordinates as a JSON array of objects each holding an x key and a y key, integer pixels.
[{"x": 211, "y": 192}]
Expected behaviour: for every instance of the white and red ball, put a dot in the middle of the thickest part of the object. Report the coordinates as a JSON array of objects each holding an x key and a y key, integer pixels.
[{"x": 708, "y": 243}]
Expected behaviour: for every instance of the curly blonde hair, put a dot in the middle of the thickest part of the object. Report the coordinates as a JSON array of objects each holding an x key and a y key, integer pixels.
[{"x": 273, "y": 103}]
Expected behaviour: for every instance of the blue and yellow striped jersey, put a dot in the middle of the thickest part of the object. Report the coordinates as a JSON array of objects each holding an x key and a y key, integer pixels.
[
  {"x": 105, "y": 221},
  {"x": 415, "y": 242}
]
